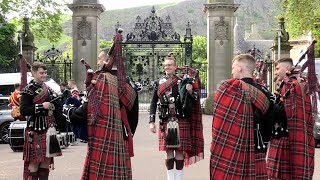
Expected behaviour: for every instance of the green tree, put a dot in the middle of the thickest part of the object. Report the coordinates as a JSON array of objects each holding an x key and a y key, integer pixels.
[
  {"x": 45, "y": 15},
  {"x": 302, "y": 16},
  {"x": 9, "y": 48},
  {"x": 105, "y": 44},
  {"x": 199, "y": 55}
]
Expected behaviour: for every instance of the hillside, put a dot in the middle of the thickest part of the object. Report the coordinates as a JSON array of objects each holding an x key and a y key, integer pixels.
[{"x": 260, "y": 12}]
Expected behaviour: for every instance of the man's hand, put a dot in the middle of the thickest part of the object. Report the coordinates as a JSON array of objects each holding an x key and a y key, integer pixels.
[
  {"x": 189, "y": 88},
  {"x": 46, "y": 105},
  {"x": 153, "y": 127}
]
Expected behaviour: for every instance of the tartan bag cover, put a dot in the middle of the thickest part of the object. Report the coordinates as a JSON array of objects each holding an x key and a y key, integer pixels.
[
  {"x": 292, "y": 157},
  {"x": 232, "y": 148},
  {"x": 197, "y": 142},
  {"x": 107, "y": 156}
]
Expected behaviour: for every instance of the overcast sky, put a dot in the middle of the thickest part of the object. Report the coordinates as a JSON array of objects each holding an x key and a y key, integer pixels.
[{"x": 120, "y": 4}]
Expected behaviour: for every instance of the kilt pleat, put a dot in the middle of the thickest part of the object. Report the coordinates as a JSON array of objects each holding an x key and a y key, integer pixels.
[
  {"x": 35, "y": 151},
  {"x": 185, "y": 136},
  {"x": 261, "y": 171},
  {"x": 278, "y": 163}
]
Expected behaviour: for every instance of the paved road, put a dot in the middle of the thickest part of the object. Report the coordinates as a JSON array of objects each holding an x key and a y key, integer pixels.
[{"x": 148, "y": 163}]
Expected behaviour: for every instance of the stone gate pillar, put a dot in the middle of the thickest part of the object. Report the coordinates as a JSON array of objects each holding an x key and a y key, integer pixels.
[
  {"x": 28, "y": 47},
  {"x": 85, "y": 35},
  {"x": 220, "y": 25},
  {"x": 285, "y": 46}
]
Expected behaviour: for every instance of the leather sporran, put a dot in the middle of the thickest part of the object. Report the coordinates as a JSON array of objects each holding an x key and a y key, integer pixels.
[
  {"x": 53, "y": 146},
  {"x": 172, "y": 133}
]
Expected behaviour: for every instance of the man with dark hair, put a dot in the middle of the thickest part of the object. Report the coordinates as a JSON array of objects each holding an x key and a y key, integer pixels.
[
  {"x": 62, "y": 124},
  {"x": 37, "y": 105},
  {"x": 291, "y": 150},
  {"x": 180, "y": 130},
  {"x": 65, "y": 92},
  {"x": 238, "y": 146}
]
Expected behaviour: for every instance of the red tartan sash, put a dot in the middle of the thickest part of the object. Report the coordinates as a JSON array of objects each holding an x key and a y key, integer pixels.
[
  {"x": 257, "y": 97},
  {"x": 127, "y": 99},
  {"x": 41, "y": 97},
  {"x": 164, "y": 87}
]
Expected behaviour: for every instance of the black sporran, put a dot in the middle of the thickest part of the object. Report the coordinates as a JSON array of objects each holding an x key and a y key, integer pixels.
[
  {"x": 53, "y": 146},
  {"x": 172, "y": 133}
]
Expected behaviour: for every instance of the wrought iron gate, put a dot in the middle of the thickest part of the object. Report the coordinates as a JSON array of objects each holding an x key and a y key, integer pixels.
[
  {"x": 59, "y": 67},
  {"x": 145, "y": 48}
]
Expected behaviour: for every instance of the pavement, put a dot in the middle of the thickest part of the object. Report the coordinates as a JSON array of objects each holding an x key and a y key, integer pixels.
[{"x": 147, "y": 164}]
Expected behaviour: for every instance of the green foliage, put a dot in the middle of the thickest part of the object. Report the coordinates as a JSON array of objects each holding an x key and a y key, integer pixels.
[
  {"x": 44, "y": 16},
  {"x": 190, "y": 10},
  {"x": 164, "y": 6},
  {"x": 208, "y": 105},
  {"x": 9, "y": 48},
  {"x": 105, "y": 44},
  {"x": 199, "y": 55},
  {"x": 62, "y": 44},
  {"x": 302, "y": 16}
]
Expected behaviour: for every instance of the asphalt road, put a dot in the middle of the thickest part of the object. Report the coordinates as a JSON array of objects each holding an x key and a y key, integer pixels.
[{"x": 148, "y": 163}]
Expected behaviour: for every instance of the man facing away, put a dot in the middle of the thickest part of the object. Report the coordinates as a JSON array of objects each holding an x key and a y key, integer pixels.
[
  {"x": 291, "y": 151},
  {"x": 237, "y": 148},
  {"x": 190, "y": 136},
  {"x": 36, "y": 104}
]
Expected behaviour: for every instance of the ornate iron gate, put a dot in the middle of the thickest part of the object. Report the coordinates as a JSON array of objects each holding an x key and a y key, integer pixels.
[
  {"x": 146, "y": 46},
  {"x": 59, "y": 67}
]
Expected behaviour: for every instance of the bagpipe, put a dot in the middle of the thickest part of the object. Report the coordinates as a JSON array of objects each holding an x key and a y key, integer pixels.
[
  {"x": 260, "y": 73},
  {"x": 24, "y": 67},
  {"x": 115, "y": 56},
  {"x": 127, "y": 88},
  {"x": 187, "y": 75},
  {"x": 310, "y": 83}
]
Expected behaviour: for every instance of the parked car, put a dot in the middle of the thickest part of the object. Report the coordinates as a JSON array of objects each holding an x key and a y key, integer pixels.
[
  {"x": 5, "y": 119},
  {"x": 7, "y": 81}
]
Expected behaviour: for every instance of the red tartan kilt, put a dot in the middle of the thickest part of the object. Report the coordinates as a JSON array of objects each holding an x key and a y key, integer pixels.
[
  {"x": 35, "y": 151},
  {"x": 185, "y": 136},
  {"x": 261, "y": 171},
  {"x": 278, "y": 162}
]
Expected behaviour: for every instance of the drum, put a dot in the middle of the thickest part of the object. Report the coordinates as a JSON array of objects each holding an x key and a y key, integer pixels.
[
  {"x": 70, "y": 138},
  {"x": 62, "y": 138},
  {"x": 16, "y": 135}
]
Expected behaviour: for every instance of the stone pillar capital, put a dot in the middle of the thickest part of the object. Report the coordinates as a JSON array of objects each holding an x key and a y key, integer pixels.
[
  {"x": 85, "y": 32},
  {"x": 81, "y": 6},
  {"x": 220, "y": 6}
]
